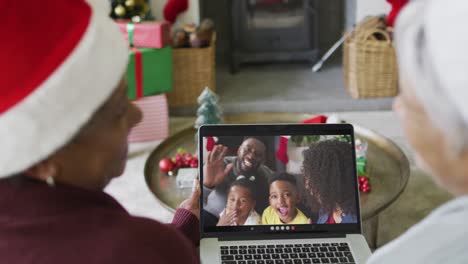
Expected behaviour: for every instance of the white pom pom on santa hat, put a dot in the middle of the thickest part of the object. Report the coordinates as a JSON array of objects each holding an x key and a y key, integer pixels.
[{"x": 58, "y": 67}]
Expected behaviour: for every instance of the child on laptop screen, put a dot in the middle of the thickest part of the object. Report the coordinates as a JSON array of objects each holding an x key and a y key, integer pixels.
[
  {"x": 240, "y": 206},
  {"x": 283, "y": 199}
]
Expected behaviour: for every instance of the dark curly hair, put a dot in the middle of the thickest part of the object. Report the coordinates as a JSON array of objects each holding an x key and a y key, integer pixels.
[
  {"x": 246, "y": 183},
  {"x": 328, "y": 172},
  {"x": 283, "y": 176}
]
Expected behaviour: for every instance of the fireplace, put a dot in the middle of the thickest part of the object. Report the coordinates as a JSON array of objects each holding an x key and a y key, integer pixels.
[{"x": 272, "y": 31}]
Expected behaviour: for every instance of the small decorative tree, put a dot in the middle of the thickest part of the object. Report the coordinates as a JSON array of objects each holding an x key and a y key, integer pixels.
[{"x": 209, "y": 111}]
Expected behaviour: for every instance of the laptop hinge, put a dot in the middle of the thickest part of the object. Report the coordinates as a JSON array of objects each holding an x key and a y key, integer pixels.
[{"x": 281, "y": 236}]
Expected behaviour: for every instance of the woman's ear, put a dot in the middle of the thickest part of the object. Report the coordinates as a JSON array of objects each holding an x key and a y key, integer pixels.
[{"x": 42, "y": 170}]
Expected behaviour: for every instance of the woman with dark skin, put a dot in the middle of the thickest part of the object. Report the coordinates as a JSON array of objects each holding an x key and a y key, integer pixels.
[
  {"x": 64, "y": 122},
  {"x": 328, "y": 177}
]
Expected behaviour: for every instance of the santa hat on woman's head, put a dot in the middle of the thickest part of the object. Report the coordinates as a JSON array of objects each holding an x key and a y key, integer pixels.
[{"x": 58, "y": 67}]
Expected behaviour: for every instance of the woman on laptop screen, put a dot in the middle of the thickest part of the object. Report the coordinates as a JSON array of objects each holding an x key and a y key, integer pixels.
[{"x": 328, "y": 178}]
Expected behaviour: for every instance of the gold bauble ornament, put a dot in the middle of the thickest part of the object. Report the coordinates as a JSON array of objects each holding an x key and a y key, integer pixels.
[
  {"x": 119, "y": 11},
  {"x": 130, "y": 3}
]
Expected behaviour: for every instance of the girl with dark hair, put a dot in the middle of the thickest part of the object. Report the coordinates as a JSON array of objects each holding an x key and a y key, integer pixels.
[
  {"x": 240, "y": 205},
  {"x": 328, "y": 178}
]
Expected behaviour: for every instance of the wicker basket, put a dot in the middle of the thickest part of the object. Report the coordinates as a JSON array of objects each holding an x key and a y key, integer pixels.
[
  {"x": 194, "y": 69},
  {"x": 369, "y": 62}
]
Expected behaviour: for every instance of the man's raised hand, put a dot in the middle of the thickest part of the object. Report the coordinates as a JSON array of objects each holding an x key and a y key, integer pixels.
[{"x": 214, "y": 169}]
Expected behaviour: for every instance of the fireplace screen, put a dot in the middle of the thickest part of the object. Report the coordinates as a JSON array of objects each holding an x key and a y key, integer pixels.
[
  {"x": 273, "y": 30},
  {"x": 275, "y": 14}
]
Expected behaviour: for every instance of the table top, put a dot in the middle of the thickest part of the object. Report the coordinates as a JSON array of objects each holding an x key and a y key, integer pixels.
[{"x": 388, "y": 167}]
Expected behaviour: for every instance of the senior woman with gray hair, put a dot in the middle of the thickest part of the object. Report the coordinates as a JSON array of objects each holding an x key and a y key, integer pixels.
[{"x": 431, "y": 42}]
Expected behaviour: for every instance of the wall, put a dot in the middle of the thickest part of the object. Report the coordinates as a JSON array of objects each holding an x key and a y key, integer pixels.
[
  {"x": 192, "y": 15},
  {"x": 371, "y": 7}
]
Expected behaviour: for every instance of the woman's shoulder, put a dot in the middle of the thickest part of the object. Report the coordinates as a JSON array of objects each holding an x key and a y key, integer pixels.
[
  {"x": 150, "y": 238},
  {"x": 439, "y": 238}
]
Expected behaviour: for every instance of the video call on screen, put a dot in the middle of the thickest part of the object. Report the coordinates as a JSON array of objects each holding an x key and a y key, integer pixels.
[{"x": 274, "y": 180}]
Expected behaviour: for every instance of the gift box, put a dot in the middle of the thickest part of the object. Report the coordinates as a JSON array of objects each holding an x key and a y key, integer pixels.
[
  {"x": 149, "y": 72},
  {"x": 153, "y": 34},
  {"x": 155, "y": 122}
]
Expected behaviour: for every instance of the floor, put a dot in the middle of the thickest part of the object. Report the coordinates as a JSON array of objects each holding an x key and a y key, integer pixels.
[{"x": 286, "y": 88}]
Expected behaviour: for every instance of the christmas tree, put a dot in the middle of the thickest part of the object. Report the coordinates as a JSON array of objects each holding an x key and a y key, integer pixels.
[
  {"x": 136, "y": 10},
  {"x": 209, "y": 111}
]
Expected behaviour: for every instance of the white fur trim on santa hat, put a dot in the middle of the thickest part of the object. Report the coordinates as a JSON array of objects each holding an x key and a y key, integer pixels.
[{"x": 51, "y": 116}]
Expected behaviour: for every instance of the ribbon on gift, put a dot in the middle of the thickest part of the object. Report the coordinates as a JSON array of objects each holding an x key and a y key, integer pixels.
[
  {"x": 138, "y": 72},
  {"x": 130, "y": 31}
]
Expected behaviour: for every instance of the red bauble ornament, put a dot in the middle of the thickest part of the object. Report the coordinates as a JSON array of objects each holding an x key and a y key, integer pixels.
[
  {"x": 366, "y": 189},
  {"x": 179, "y": 164},
  {"x": 166, "y": 165},
  {"x": 194, "y": 163}
]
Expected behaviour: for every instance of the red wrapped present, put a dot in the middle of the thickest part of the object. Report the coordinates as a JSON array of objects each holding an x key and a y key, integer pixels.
[
  {"x": 155, "y": 122},
  {"x": 153, "y": 34}
]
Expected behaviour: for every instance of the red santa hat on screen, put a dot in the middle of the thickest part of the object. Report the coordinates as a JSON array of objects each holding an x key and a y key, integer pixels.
[{"x": 58, "y": 67}]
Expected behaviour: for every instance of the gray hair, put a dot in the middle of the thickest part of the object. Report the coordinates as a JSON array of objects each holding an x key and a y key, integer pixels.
[{"x": 431, "y": 38}]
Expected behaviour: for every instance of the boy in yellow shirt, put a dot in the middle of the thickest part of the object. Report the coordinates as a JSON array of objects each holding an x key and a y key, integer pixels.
[{"x": 283, "y": 200}]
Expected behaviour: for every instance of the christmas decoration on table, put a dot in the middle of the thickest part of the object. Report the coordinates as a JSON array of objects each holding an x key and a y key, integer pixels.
[
  {"x": 182, "y": 159},
  {"x": 173, "y": 8},
  {"x": 134, "y": 10},
  {"x": 192, "y": 36},
  {"x": 166, "y": 165},
  {"x": 185, "y": 177},
  {"x": 148, "y": 34},
  {"x": 149, "y": 72},
  {"x": 209, "y": 111},
  {"x": 361, "y": 164}
]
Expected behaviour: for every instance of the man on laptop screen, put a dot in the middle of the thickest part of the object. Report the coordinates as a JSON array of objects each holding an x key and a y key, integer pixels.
[
  {"x": 248, "y": 187},
  {"x": 258, "y": 208}
]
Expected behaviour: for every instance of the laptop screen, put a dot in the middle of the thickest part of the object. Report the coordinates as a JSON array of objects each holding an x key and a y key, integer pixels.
[{"x": 278, "y": 179}]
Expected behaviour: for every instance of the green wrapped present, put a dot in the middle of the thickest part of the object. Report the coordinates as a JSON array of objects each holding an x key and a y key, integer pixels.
[{"x": 149, "y": 72}]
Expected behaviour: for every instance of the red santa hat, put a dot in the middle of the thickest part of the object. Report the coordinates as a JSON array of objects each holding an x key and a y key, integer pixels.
[{"x": 58, "y": 67}]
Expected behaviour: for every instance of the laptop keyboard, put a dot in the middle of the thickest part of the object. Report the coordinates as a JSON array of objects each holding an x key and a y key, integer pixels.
[{"x": 287, "y": 254}]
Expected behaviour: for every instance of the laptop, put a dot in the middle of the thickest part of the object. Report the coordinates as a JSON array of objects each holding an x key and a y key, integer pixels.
[{"x": 279, "y": 194}]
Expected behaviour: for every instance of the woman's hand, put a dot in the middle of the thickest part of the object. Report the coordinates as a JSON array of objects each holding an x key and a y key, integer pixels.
[
  {"x": 193, "y": 202},
  {"x": 214, "y": 170},
  {"x": 228, "y": 218}
]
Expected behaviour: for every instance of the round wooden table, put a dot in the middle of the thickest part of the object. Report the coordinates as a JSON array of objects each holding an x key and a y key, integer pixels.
[{"x": 387, "y": 166}]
